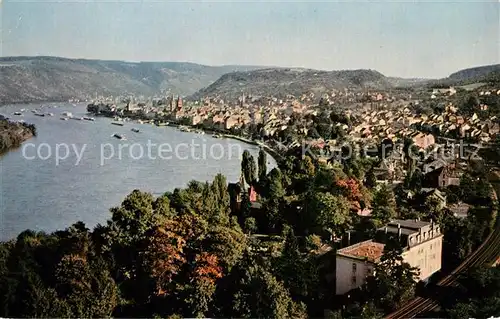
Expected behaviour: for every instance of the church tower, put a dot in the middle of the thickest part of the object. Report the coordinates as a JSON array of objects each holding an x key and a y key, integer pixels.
[
  {"x": 179, "y": 103},
  {"x": 171, "y": 103}
]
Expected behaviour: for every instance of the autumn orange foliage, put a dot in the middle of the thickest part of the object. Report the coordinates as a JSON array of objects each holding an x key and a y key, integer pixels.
[
  {"x": 167, "y": 254},
  {"x": 350, "y": 189},
  {"x": 207, "y": 267}
]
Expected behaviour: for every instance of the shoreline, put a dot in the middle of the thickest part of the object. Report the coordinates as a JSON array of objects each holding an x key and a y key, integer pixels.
[
  {"x": 14, "y": 134},
  {"x": 2, "y": 104},
  {"x": 274, "y": 154},
  {"x": 271, "y": 151}
]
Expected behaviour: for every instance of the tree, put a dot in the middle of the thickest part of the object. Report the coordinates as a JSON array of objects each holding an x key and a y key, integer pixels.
[
  {"x": 251, "y": 291},
  {"x": 227, "y": 243},
  {"x": 414, "y": 181},
  {"x": 479, "y": 295},
  {"x": 370, "y": 179},
  {"x": 276, "y": 190},
  {"x": 394, "y": 280},
  {"x": 307, "y": 167},
  {"x": 313, "y": 242},
  {"x": 161, "y": 206},
  {"x": 216, "y": 197},
  {"x": 273, "y": 215},
  {"x": 134, "y": 217},
  {"x": 298, "y": 272},
  {"x": 87, "y": 288},
  {"x": 248, "y": 168},
  {"x": 384, "y": 204},
  {"x": 469, "y": 105},
  {"x": 262, "y": 165},
  {"x": 250, "y": 225},
  {"x": 433, "y": 207},
  {"x": 363, "y": 310},
  {"x": 327, "y": 213}
]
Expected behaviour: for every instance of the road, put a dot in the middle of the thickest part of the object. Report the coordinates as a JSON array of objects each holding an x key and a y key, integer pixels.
[{"x": 487, "y": 254}]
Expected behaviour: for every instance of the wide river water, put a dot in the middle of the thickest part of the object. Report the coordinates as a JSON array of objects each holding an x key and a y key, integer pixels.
[{"x": 45, "y": 192}]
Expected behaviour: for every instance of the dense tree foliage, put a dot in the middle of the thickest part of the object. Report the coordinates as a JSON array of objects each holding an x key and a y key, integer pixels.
[
  {"x": 478, "y": 295},
  {"x": 192, "y": 253}
]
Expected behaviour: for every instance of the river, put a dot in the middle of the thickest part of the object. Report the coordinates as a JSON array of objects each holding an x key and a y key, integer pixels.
[{"x": 95, "y": 171}]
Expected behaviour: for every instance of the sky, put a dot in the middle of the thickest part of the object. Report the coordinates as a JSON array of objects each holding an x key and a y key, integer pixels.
[{"x": 427, "y": 39}]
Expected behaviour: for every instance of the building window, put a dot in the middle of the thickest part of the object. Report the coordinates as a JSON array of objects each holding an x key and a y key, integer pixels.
[
  {"x": 353, "y": 280},
  {"x": 354, "y": 267},
  {"x": 368, "y": 272}
]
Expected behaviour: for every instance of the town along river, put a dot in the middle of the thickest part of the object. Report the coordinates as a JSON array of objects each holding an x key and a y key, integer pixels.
[{"x": 42, "y": 193}]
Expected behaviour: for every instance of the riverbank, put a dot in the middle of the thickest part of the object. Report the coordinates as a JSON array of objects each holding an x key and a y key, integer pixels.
[
  {"x": 271, "y": 151},
  {"x": 91, "y": 108},
  {"x": 274, "y": 153},
  {"x": 36, "y": 101},
  {"x": 13, "y": 134}
]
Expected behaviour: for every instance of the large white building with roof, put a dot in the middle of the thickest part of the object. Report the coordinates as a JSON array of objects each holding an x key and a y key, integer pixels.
[{"x": 422, "y": 244}]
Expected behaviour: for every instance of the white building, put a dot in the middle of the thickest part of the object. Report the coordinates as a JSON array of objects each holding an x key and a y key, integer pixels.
[
  {"x": 354, "y": 263},
  {"x": 422, "y": 247}
]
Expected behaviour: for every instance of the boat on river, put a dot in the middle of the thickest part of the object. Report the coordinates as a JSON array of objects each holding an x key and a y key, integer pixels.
[
  {"x": 40, "y": 114},
  {"x": 119, "y": 136},
  {"x": 117, "y": 123},
  {"x": 18, "y": 113},
  {"x": 89, "y": 119},
  {"x": 135, "y": 130},
  {"x": 64, "y": 118}
]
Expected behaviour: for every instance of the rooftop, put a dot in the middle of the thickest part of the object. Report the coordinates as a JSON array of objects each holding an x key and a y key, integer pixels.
[
  {"x": 395, "y": 230},
  {"x": 409, "y": 223},
  {"x": 369, "y": 250}
]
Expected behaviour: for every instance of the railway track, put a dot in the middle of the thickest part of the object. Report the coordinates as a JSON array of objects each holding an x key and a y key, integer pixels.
[{"x": 487, "y": 254}]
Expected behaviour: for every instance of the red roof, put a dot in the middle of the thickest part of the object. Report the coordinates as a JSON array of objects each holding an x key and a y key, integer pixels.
[{"x": 368, "y": 249}]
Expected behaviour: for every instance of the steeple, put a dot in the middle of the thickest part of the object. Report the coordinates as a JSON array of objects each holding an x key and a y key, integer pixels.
[{"x": 171, "y": 102}]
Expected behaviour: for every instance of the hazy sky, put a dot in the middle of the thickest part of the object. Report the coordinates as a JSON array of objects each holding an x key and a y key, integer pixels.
[{"x": 425, "y": 39}]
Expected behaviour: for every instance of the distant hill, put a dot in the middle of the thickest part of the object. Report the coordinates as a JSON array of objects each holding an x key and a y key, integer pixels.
[
  {"x": 485, "y": 74},
  {"x": 27, "y": 79},
  {"x": 32, "y": 79},
  {"x": 476, "y": 73},
  {"x": 282, "y": 81}
]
